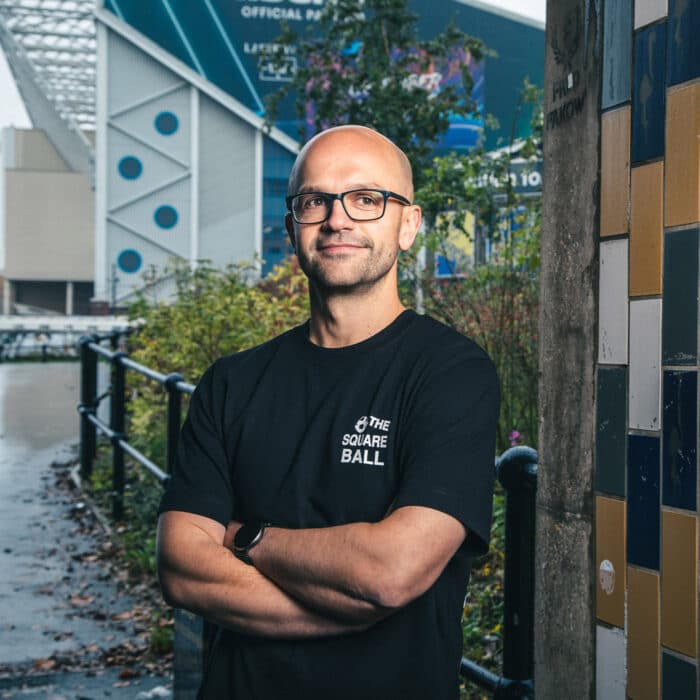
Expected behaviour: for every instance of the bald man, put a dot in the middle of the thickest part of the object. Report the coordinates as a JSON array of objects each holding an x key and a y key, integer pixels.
[{"x": 333, "y": 483}]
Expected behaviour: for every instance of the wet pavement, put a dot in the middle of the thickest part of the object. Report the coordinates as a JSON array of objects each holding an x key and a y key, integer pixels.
[{"x": 60, "y": 607}]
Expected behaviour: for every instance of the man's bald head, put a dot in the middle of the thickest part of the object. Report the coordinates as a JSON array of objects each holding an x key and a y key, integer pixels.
[{"x": 357, "y": 138}]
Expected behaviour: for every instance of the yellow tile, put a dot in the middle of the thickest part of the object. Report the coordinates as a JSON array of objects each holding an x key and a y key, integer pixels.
[
  {"x": 682, "y": 196},
  {"x": 615, "y": 172},
  {"x": 679, "y": 576},
  {"x": 646, "y": 229},
  {"x": 643, "y": 645},
  {"x": 610, "y": 560}
]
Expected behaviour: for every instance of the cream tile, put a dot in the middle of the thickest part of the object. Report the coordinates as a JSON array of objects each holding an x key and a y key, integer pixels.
[
  {"x": 610, "y": 663},
  {"x": 613, "y": 303},
  {"x": 647, "y": 11},
  {"x": 645, "y": 364}
]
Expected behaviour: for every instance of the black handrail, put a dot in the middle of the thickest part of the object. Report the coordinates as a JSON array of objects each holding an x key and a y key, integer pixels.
[
  {"x": 516, "y": 469},
  {"x": 174, "y": 384}
]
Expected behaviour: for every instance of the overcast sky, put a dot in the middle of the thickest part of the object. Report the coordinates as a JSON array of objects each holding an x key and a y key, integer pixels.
[{"x": 12, "y": 112}]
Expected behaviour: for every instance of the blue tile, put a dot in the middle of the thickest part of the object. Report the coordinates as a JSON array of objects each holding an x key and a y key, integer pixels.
[
  {"x": 680, "y": 298},
  {"x": 680, "y": 435},
  {"x": 643, "y": 510},
  {"x": 683, "y": 45},
  {"x": 617, "y": 53},
  {"x": 611, "y": 432},
  {"x": 678, "y": 678},
  {"x": 649, "y": 93}
]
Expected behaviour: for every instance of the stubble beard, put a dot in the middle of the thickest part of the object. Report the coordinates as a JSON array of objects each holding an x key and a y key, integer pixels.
[{"x": 361, "y": 278}]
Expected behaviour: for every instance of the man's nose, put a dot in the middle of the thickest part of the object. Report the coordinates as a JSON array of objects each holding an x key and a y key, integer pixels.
[{"x": 338, "y": 217}]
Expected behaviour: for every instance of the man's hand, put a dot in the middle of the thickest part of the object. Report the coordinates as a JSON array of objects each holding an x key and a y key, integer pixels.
[
  {"x": 197, "y": 572},
  {"x": 359, "y": 572}
]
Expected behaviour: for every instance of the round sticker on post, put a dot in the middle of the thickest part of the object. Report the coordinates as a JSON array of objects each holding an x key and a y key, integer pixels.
[{"x": 606, "y": 575}]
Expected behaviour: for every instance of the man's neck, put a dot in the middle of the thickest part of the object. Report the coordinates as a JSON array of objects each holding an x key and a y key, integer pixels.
[{"x": 342, "y": 320}]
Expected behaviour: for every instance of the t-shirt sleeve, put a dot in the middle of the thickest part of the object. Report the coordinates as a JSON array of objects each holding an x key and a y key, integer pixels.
[
  {"x": 448, "y": 445},
  {"x": 201, "y": 481}
]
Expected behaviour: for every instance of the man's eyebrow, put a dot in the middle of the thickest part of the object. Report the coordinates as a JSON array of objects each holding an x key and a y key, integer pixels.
[{"x": 350, "y": 187}]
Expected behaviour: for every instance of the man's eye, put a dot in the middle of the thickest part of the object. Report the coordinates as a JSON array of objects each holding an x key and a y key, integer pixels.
[
  {"x": 365, "y": 199},
  {"x": 313, "y": 202}
]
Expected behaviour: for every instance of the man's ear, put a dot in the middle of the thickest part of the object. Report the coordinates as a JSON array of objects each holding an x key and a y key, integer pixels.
[
  {"x": 289, "y": 225},
  {"x": 410, "y": 225}
]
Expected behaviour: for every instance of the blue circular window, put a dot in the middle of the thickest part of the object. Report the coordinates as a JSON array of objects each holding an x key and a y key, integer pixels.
[
  {"x": 166, "y": 216},
  {"x": 166, "y": 123},
  {"x": 129, "y": 261},
  {"x": 130, "y": 167}
]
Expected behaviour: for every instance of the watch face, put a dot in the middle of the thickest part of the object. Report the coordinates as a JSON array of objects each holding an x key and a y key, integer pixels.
[{"x": 245, "y": 535}]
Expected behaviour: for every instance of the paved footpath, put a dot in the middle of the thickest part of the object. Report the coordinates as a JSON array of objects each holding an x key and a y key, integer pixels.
[{"x": 67, "y": 629}]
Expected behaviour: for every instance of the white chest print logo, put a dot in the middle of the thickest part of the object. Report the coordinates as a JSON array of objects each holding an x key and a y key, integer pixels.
[{"x": 367, "y": 445}]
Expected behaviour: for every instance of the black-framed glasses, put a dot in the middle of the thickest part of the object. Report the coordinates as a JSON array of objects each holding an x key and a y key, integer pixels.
[{"x": 359, "y": 205}]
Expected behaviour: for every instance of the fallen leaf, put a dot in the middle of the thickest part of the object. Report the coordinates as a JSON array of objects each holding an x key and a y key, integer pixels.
[
  {"x": 44, "y": 664},
  {"x": 80, "y": 601},
  {"x": 125, "y": 615}
]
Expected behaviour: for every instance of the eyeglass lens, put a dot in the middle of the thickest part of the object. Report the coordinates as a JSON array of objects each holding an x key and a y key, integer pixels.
[{"x": 361, "y": 205}]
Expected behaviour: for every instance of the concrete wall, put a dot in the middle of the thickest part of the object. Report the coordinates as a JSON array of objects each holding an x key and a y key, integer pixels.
[
  {"x": 564, "y": 626},
  {"x": 32, "y": 150},
  {"x": 46, "y": 212},
  {"x": 49, "y": 223}
]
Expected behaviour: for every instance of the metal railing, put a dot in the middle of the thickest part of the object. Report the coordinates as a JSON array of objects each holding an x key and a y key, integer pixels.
[
  {"x": 115, "y": 431},
  {"x": 516, "y": 469}
]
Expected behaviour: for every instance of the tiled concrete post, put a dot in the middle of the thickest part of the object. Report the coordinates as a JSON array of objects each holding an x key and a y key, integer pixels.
[{"x": 646, "y": 485}]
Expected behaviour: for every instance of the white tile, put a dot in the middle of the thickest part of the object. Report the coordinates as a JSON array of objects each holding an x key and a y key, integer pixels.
[
  {"x": 613, "y": 303},
  {"x": 610, "y": 663},
  {"x": 647, "y": 11},
  {"x": 645, "y": 364}
]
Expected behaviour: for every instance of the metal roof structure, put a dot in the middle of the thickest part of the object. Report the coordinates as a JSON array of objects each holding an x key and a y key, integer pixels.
[{"x": 51, "y": 48}]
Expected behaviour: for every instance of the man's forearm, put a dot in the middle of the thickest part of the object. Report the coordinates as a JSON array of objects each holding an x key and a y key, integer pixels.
[
  {"x": 324, "y": 569},
  {"x": 361, "y": 571},
  {"x": 200, "y": 575}
]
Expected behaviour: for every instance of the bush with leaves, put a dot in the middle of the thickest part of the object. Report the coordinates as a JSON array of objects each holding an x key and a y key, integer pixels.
[{"x": 212, "y": 313}]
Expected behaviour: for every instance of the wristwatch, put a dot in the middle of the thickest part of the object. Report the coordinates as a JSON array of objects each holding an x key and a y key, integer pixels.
[{"x": 246, "y": 538}]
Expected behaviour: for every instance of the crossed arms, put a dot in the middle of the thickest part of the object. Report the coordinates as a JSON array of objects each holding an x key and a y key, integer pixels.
[{"x": 305, "y": 583}]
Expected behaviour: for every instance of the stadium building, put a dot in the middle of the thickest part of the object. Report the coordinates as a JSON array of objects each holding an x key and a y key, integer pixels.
[{"x": 182, "y": 165}]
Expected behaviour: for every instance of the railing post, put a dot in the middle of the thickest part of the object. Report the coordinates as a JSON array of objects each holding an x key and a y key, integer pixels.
[
  {"x": 174, "y": 416},
  {"x": 517, "y": 471},
  {"x": 117, "y": 424},
  {"x": 88, "y": 391}
]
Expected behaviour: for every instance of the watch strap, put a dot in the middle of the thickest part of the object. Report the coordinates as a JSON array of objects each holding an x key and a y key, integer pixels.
[{"x": 247, "y": 537}]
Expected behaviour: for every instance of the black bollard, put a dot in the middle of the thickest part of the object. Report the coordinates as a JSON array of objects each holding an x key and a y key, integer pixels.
[{"x": 517, "y": 472}]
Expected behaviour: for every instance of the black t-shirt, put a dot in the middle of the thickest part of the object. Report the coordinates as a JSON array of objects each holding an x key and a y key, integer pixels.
[{"x": 303, "y": 436}]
